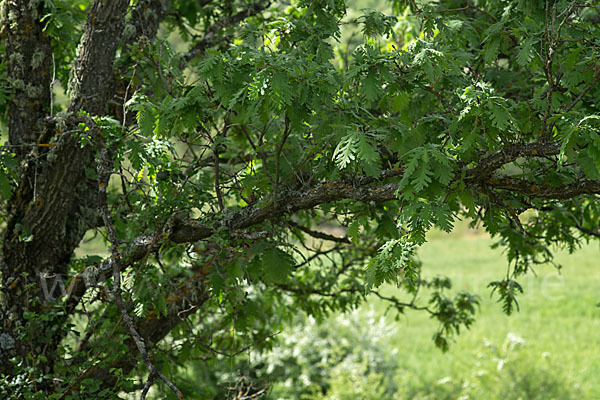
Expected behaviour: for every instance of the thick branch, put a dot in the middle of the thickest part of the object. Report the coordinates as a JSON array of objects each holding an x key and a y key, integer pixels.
[
  {"x": 509, "y": 154},
  {"x": 542, "y": 191},
  {"x": 291, "y": 202},
  {"x": 90, "y": 85},
  {"x": 369, "y": 190}
]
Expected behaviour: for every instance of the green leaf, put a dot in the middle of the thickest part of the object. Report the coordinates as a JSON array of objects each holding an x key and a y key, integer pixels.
[
  {"x": 393, "y": 258},
  {"x": 443, "y": 169},
  {"x": 508, "y": 290},
  {"x": 375, "y": 23},
  {"x": 210, "y": 66},
  {"x": 491, "y": 49},
  {"x": 280, "y": 86},
  {"x": 371, "y": 86},
  {"x": 353, "y": 229},
  {"x": 526, "y": 53},
  {"x": 443, "y": 218},
  {"x": 277, "y": 265},
  {"x": 500, "y": 115},
  {"x": 137, "y": 155},
  {"x": 5, "y": 186},
  {"x": 411, "y": 166},
  {"x": 588, "y": 166},
  {"x": 422, "y": 176},
  {"x": 587, "y": 118},
  {"x": 400, "y": 102},
  {"x": 568, "y": 144},
  {"x": 146, "y": 121},
  {"x": 368, "y": 156},
  {"x": 345, "y": 151}
]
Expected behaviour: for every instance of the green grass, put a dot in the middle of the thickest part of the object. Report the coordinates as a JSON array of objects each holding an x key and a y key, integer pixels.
[{"x": 558, "y": 321}]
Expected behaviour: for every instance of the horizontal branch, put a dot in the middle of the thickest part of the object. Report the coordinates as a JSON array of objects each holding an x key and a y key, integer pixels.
[
  {"x": 319, "y": 235},
  {"x": 543, "y": 191},
  {"x": 587, "y": 231},
  {"x": 367, "y": 190},
  {"x": 291, "y": 202},
  {"x": 509, "y": 154},
  {"x": 153, "y": 328}
]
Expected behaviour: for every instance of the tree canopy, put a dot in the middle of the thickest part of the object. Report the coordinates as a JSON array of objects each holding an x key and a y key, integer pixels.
[{"x": 243, "y": 161}]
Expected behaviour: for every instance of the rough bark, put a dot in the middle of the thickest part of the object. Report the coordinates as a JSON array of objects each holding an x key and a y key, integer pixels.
[
  {"x": 189, "y": 231},
  {"x": 47, "y": 215},
  {"x": 368, "y": 190},
  {"x": 55, "y": 203},
  {"x": 29, "y": 62},
  {"x": 29, "y": 72},
  {"x": 94, "y": 68}
]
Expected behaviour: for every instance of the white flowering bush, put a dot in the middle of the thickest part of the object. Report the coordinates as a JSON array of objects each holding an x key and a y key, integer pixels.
[{"x": 346, "y": 357}]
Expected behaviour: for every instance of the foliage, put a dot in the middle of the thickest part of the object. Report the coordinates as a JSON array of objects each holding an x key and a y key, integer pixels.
[{"x": 258, "y": 170}]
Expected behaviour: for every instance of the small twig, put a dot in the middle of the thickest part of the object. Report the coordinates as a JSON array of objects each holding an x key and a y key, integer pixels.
[
  {"x": 439, "y": 96},
  {"x": 52, "y": 85},
  {"x": 240, "y": 351},
  {"x": 253, "y": 395},
  {"x": 319, "y": 235},
  {"x": 151, "y": 378},
  {"x": 92, "y": 365},
  {"x": 247, "y": 134},
  {"x": 212, "y": 36},
  {"x": 588, "y": 231},
  {"x": 127, "y": 94},
  {"x": 217, "y": 183},
  {"x": 398, "y": 304},
  {"x": 260, "y": 154},
  {"x": 584, "y": 91},
  {"x": 286, "y": 133}
]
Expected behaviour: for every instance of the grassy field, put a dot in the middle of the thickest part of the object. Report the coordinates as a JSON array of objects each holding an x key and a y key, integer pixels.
[{"x": 550, "y": 349}]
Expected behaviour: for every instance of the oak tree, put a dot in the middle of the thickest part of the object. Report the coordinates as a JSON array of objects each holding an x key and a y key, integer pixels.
[{"x": 240, "y": 162}]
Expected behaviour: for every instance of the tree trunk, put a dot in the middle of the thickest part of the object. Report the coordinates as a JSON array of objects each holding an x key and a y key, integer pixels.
[{"x": 55, "y": 203}]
